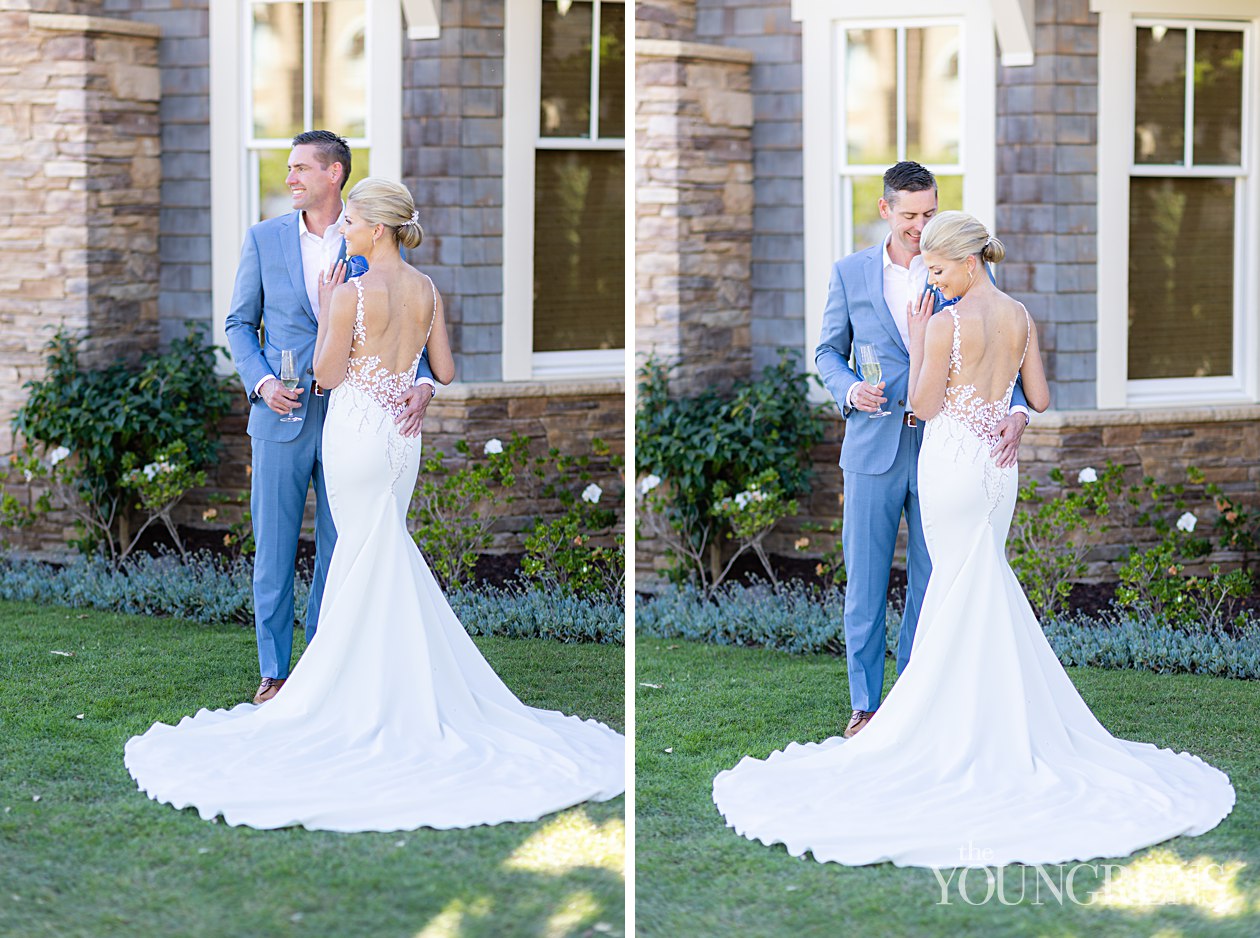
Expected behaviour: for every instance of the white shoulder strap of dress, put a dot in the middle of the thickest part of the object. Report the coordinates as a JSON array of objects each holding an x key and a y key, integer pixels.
[
  {"x": 955, "y": 351},
  {"x": 360, "y": 332},
  {"x": 433, "y": 318},
  {"x": 1027, "y": 336}
]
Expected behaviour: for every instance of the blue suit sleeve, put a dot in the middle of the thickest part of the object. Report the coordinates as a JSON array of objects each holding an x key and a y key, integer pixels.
[
  {"x": 836, "y": 343},
  {"x": 423, "y": 370},
  {"x": 245, "y": 317}
]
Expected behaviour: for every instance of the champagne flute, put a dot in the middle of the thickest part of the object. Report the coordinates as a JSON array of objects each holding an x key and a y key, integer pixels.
[
  {"x": 289, "y": 378},
  {"x": 868, "y": 361}
]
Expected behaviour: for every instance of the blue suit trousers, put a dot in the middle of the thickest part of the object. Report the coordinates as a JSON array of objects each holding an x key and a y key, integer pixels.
[{"x": 873, "y": 508}]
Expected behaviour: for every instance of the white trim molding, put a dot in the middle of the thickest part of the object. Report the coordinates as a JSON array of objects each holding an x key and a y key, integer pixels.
[
  {"x": 422, "y": 19},
  {"x": 1118, "y": 21},
  {"x": 823, "y": 102},
  {"x": 1015, "y": 26}
]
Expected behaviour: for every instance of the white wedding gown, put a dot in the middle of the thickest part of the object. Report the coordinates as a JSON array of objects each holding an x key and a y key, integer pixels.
[
  {"x": 391, "y": 720},
  {"x": 983, "y": 753}
]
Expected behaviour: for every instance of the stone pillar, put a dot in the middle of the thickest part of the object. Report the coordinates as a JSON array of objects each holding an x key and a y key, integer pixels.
[
  {"x": 665, "y": 19},
  {"x": 694, "y": 210},
  {"x": 79, "y": 159}
]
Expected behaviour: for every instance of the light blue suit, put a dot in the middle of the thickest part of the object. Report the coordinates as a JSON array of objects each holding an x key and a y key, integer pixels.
[
  {"x": 287, "y": 457},
  {"x": 879, "y": 458}
]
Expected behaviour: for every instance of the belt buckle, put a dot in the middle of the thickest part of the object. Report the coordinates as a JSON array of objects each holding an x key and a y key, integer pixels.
[
  {"x": 911, "y": 422},
  {"x": 316, "y": 389}
]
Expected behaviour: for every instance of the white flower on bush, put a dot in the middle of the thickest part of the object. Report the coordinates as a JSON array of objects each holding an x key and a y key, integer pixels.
[
  {"x": 58, "y": 455},
  {"x": 1087, "y": 475},
  {"x": 493, "y": 447},
  {"x": 592, "y": 493},
  {"x": 649, "y": 482},
  {"x": 751, "y": 495},
  {"x": 1187, "y": 522},
  {"x": 28, "y": 475}
]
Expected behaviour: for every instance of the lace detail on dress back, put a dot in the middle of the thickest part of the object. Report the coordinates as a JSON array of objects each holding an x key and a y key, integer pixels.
[
  {"x": 964, "y": 403},
  {"x": 366, "y": 372}
]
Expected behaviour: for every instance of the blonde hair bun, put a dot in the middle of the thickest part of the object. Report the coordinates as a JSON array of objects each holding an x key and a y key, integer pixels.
[
  {"x": 383, "y": 202},
  {"x": 955, "y": 235}
]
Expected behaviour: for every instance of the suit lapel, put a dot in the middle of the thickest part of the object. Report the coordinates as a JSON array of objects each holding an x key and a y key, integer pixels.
[
  {"x": 291, "y": 248},
  {"x": 875, "y": 286}
]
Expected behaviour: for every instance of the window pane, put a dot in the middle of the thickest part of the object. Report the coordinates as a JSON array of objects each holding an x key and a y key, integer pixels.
[
  {"x": 1218, "y": 60},
  {"x": 579, "y": 250},
  {"x": 338, "y": 57},
  {"x": 933, "y": 95},
  {"x": 1181, "y": 277},
  {"x": 870, "y": 83},
  {"x": 566, "y": 70},
  {"x": 1159, "y": 125},
  {"x": 612, "y": 70},
  {"x": 869, "y": 228},
  {"x": 277, "y": 58},
  {"x": 273, "y": 166}
]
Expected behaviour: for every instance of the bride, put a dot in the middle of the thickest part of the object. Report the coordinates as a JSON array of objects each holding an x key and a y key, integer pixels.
[
  {"x": 983, "y": 747},
  {"x": 391, "y": 720}
]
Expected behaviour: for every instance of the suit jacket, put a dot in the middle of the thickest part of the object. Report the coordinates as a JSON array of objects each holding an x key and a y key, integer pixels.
[
  {"x": 270, "y": 289},
  {"x": 856, "y": 313}
]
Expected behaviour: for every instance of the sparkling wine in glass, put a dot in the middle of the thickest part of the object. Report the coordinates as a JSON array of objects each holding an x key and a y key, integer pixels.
[
  {"x": 289, "y": 378},
  {"x": 872, "y": 373}
]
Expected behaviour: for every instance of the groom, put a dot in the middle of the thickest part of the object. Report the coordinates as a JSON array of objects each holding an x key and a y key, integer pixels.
[
  {"x": 866, "y": 304},
  {"x": 277, "y": 289}
]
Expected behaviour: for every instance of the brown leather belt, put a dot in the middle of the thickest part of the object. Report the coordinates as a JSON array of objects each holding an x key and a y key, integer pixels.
[{"x": 909, "y": 420}]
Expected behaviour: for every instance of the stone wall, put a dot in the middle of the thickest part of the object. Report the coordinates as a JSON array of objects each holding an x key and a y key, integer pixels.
[
  {"x": 693, "y": 211},
  {"x": 79, "y": 155},
  {"x": 1221, "y": 441}
]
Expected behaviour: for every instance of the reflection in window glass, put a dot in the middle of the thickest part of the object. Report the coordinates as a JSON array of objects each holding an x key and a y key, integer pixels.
[
  {"x": 871, "y": 96},
  {"x": 1218, "y": 59},
  {"x": 1181, "y": 277},
  {"x": 933, "y": 95},
  {"x": 566, "y": 69},
  {"x": 612, "y": 69},
  {"x": 339, "y": 66},
  {"x": 277, "y": 75},
  {"x": 579, "y": 250},
  {"x": 1160, "y": 107}
]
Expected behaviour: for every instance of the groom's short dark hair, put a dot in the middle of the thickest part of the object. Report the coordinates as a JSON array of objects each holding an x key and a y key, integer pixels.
[
  {"x": 907, "y": 176},
  {"x": 331, "y": 149}
]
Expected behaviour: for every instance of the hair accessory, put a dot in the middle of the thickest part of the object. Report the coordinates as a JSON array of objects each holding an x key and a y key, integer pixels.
[{"x": 415, "y": 217}]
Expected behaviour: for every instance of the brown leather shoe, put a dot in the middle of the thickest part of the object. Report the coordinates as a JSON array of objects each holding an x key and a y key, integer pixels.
[
  {"x": 857, "y": 722},
  {"x": 269, "y": 687}
]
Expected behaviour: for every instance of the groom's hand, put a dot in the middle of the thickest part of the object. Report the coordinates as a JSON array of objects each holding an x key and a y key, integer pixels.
[
  {"x": 415, "y": 402},
  {"x": 867, "y": 397},
  {"x": 1009, "y": 431},
  {"x": 279, "y": 398}
]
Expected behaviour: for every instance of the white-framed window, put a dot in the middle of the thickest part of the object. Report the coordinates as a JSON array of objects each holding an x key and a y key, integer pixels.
[
  {"x": 1179, "y": 224},
  {"x": 914, "y": 83},
  {"x": 564, "y": 205},
  {"x": 277, "y": 68}
]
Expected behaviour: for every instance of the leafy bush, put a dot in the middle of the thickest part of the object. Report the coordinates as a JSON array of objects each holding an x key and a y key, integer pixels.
[
  {"x": 801, "y": 620},
  {"x": 532, "y": 613},
  {"x": 692, "y": 453},
  {"x": 95, "y": 428}
]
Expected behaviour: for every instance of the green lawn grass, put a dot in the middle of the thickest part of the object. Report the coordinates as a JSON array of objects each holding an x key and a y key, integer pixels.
[
  {"x": 93, "y": 856},
  {"x": 696, "y": 877}
]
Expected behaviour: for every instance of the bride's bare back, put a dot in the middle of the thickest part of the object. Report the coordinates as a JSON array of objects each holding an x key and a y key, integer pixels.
[
  {"x": 397, "y": 318},
  {"x": 993, "y": 334}
]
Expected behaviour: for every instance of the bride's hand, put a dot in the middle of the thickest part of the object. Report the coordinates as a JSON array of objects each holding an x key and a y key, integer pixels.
[
  {"x": 328, "y": 282},
  {"x": 918, "y": 314}
]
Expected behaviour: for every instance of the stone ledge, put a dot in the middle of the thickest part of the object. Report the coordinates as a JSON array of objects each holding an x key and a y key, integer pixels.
[
  {"x": 675, "y": 49},
  {"x": 1205, "y": 413},
  {"x": 76, "y": 23},
  {"x": 496, "y": 390}
]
